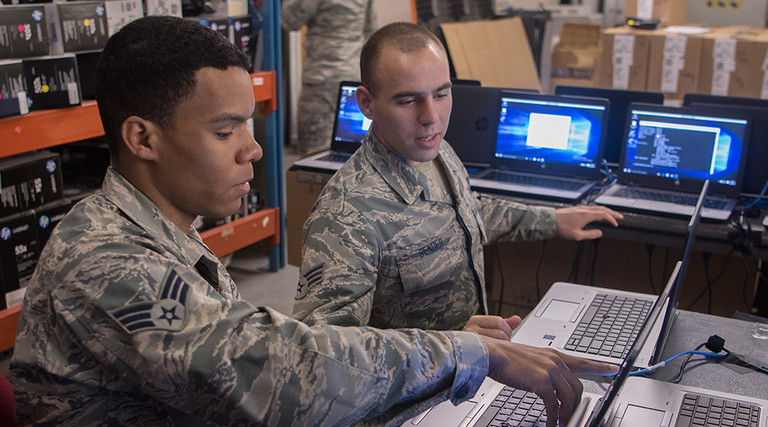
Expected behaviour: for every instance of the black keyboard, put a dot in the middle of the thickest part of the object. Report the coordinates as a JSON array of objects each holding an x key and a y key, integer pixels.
[
  {"x": 697, "y": 410},
  {"x": 335, "y": 157},
  {"x": 678, "y": 199},
  {"x": 513, "y": 407},
  {"x": 609, "y": 326},
  {"x": 536, "y": 181}
]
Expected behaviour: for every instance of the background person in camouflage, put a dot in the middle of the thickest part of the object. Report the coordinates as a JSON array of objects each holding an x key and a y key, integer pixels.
[
  {"x": 336, "y": 30},
  {"x": 396, "y": 237},
  {"x": 131, "y": 320}
]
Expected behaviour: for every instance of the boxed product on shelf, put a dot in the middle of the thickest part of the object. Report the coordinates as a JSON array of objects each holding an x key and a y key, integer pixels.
[
  {"x": 19, "y": 252},
  {"x": 13, "y": 89},
  {"x": 77, "y": 26},
  {"x": 240, "y": 31},
  {"x": 163, "y": 7},
  {"x": 23, "y": 31},
  {"x": 52, "y": 82},
  {"x": 28, "y": 181},
  {"x": 624, "y": 63},
  {"x": 48, "y": 216},
  {"x": 87, "y": 63},
  {"x": 122, "y": 12},
  {"x": 220, "y": 24}
]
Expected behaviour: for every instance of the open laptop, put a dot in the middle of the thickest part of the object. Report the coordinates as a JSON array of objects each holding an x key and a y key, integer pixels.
[
  {"x": 349, "y": 129},
  {"x": 546, "y": 146},
  {"x": 620, "y": 100},
  {"x": 669, "y": 151},
  {"x": 600, "y": 323},
  {"x": 755, "y": 170},
  {"x": 495, "y": 403}
]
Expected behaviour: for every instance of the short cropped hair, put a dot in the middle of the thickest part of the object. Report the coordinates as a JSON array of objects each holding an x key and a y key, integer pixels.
[
  {"x": 149, "y": 66},
  {"x": 406, "y": 37}
]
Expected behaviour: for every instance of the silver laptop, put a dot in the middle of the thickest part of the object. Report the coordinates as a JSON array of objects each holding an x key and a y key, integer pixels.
[
  {"x": 669, "y": 151},
  {"x": 546, "y": 146},
  {"x": 349, "y": 129},
  {"x": 600, "y": 323},
  {"x": 495, "y": 403}
]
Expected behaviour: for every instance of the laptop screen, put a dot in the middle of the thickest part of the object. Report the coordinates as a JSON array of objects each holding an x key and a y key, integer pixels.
[
  {"x": 553, "y": 134},
  {"x": 620, "y": 100},
  {"x": 679, "y": 148},
  {"x": 350, "y": 124}
]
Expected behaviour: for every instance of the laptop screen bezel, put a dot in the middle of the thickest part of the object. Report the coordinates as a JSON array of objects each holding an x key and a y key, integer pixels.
[
  {"x": 552, "y": 168},
  {"x": 689, "y": 185},
  {"x": 342, "y": 146}
]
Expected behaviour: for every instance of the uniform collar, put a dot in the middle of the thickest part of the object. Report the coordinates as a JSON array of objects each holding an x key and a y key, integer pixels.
[
  {"x": 144, "y": 213},
  {"x": 403, "y": 178}
]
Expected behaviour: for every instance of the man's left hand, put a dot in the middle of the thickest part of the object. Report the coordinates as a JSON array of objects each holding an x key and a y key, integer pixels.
[{"x": 572, "y": 220}]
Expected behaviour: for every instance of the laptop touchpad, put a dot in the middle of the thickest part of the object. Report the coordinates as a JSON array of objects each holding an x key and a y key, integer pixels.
[
  {"x": 638, "y": 416},
  {"x": 560, "y": 310}
]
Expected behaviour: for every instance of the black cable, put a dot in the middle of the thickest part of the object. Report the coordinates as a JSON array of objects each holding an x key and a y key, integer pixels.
[
  {"x": 710, "y": 282},
  {"x": 574, "y": 275}
]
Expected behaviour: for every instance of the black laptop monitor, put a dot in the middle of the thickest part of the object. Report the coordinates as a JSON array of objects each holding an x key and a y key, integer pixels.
[
  {"x": 472, "y": 126},
  {"x": 551, "y": 134},
  {"x": 350, "y": 125},
  {"x": 678, "y": 148},
  {"x": 756, "y": 169},
  {"x": 620, "y": 100}
]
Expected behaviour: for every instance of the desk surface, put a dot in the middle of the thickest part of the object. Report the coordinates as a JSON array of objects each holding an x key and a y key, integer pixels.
[{"x": 691, "y": 329}]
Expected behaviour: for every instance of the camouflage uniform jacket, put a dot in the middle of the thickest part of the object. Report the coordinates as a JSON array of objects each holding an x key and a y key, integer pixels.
[
  {"x": 336, "y": 30},
  {"x": 119, "y": 327},
  {"x": 387, "y": 247}
]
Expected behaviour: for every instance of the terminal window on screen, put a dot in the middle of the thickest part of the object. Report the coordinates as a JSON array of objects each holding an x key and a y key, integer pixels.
[
  {"x": 548, "y": 131},
  {"x": 678, "y": 146}
]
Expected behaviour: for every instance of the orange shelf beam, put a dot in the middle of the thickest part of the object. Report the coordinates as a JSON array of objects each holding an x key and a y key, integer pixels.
[
  {"x": 262, "y": 225},
  {"x": 9, "y": 319},
  {"x": 47, "y": 128}
]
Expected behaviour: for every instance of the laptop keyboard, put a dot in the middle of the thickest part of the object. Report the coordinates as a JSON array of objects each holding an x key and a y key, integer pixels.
[
  {"x": 697, "y": 410},
  {"x": 513, "y": 407},
  {"x": 678, "y": 199},
  {"x": 606, "y": 334},
  {"x": 536, "y": 181},
  {"x": 335, "y": 157}
]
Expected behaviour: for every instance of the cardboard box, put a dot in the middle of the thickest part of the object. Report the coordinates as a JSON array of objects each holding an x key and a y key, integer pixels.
[
  {"x": 13, "y": 89},
  {"x": 19, "y": 252},
  {"x": 669, "y": 12},
  {"x": 23, "y": 31},
  {"x": 674, "y": 63},
  {"x": 122, "y": 12},
  {"x": 237, "y": 7},
  {"x": 220, "y": 24},
  {"x": 48, "y": 216},
  {"x": 625, "y": 59},
  {"x": 29, "y": 181},
  {"x": 302, "y": 189},
  {"x": 749, "y": 78},
  {"x": 52, "y": 82},
  {"x": 718, "y": 59},
  {"x": 495, "y": 52},
  {"x": 576, "y": 57}
]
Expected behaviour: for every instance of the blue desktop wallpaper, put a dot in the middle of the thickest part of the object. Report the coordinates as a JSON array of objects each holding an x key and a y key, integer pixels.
[{"x": 351, "y": 124}]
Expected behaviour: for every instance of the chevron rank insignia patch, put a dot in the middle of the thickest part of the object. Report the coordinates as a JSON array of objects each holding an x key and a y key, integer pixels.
[
  {"x": 309, "y": 279},
  {"x": 168, "y": 312}
]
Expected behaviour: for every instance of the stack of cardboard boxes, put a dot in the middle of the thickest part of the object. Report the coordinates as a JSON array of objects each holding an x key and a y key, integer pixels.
[{"x": 674, "y": 59}]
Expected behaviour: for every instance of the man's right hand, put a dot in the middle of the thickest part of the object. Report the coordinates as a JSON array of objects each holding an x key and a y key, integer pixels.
[{"x": 544, "y": 371}]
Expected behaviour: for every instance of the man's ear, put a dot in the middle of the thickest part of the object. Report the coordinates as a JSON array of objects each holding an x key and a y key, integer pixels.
[
  {"x": 140, "y": 137},
  {"x": 364, "y": 101}
]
